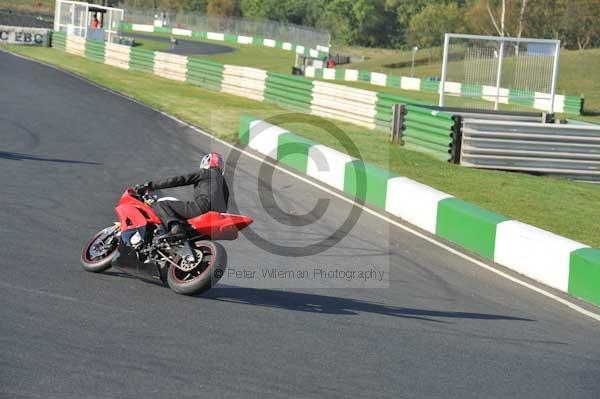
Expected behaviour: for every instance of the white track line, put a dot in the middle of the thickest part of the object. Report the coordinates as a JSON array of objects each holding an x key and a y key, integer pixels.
[{"x": 381, "y": 216}]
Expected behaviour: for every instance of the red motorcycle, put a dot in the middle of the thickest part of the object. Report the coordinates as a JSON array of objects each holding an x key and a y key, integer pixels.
[{"x": 188, "y": 265}]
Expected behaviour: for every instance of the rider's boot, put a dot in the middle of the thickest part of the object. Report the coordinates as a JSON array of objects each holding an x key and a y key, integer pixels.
[{"x": 176, "y": 232}]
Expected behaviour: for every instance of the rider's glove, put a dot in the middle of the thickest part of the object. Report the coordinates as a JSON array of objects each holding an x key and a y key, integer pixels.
[{"x": 142, "y": 189}]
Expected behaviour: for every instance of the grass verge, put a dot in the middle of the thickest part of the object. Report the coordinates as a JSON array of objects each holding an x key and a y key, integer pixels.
[{"x": 563, "y": 207}]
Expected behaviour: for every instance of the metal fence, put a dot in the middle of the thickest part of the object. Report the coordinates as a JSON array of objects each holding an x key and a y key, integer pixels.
[
  {"x": 297, "y": 34},
  {"x": 18, "y": 18},
  {"x": 514, "y": 72}
]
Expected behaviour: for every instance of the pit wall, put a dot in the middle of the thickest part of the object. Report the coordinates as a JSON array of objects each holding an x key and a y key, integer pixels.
[{"x": 556, "y": 261}]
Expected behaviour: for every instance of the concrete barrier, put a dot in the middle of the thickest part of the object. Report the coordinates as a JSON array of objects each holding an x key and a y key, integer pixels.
[{"x": 558, "y": 262}]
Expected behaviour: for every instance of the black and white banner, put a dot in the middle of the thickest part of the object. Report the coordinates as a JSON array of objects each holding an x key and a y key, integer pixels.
[{"x": 23, "y": 35}]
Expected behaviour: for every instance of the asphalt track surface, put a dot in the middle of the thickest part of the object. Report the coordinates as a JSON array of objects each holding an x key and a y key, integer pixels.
[
  {"x": 185, "y": 47},
  {"x": 443, "y": 329}
]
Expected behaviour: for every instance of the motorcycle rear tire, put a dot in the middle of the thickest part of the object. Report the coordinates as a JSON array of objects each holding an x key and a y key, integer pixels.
[{"x": 209, "y": 276}]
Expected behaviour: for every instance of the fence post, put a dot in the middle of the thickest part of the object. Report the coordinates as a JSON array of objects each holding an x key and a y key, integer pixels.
[
  {"x": 456, "y": 140},
  {"x": 398, "y": 111},
  {"x": 444, "y": 70},
  {"x": 499, "y": 74}
]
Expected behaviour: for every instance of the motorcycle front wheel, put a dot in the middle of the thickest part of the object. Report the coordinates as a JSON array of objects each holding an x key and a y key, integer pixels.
[
  {"x": 100, "y": 250},
  {"x": 204, "y": 274}
]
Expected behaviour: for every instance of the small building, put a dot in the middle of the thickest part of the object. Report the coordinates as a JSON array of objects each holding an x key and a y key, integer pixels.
[{"x": 88, "y": 20}]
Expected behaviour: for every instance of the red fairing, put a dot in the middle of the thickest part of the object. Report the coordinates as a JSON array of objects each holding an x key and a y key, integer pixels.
[
  {"x": 220, "y": 226},
  {"x": 133, "y": 213}
]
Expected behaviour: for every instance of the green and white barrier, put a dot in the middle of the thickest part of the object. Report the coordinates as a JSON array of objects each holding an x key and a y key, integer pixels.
[
  {"x": 537, "y": 100},
  {"x": 348, "y": 104},
  {"x": 244, "y": 82},
  {"x": 75, "y": 45},
  {"x": 320, "y": 51},
  {"x": 558, "y": 262},
  {"x": 114, "y": 54},
  {"x": 97, "y": 51},
  {"x": 141, "y": 60},
  {"x": 357, "y": 106},
  {"x": 290, "y": 92},
  {"x": 429, "y": 131},
  {"x": 170, "y": 66},
  {"x": 206, "y": 74}
]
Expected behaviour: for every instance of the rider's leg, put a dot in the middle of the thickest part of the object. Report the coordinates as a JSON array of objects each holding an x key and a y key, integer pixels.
[{"x": 174, "y": 214}]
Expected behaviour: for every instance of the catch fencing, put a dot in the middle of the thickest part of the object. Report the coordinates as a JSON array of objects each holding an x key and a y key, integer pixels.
[{"x": 287, "y": 32}]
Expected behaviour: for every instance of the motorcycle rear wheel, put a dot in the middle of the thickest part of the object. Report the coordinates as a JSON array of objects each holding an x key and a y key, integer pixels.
[
  {"x": 103, "y": 261},
  {"x": 205, "y": 275}
]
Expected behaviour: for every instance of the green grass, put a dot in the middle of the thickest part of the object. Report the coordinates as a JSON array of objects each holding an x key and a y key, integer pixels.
[
  {"x": 563, "y": 207},
  {"x": 255, "y": 56},
  {"x": 152, "y": 45}
]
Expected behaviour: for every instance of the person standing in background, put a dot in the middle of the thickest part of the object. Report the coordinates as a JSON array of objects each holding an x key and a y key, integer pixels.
[{"x": 330, "y": 62}]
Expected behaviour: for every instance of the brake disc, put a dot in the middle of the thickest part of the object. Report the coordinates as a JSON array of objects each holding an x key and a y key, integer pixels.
[{"x": 188, "y": 263}]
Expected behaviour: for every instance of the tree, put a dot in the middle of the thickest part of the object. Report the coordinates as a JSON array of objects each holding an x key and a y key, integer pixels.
[
  {"x": 428, "y": 27},
  {"x": 500, "y": 27},
  {"x": 497, "y": 17},
  {"x": 302, "y": 12},
  {"x": 196, "y": 5},
  {"x": 405, "y": 11},
  {"x": 580, "y": 23},
  {"x": 358, "y": 22},
  {"x": 171, "y": 4},
  {"x": 223, "y": 8}
]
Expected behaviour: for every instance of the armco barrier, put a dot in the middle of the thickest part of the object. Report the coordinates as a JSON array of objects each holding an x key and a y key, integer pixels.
[
  {"x": 223, "y": 37},
  {"x": 571, "y": 151},
  {"x": 289, "y": 91},
  {"x": 141, "y": 60},
  {"x": 558, "y": 262},
  {"x": 563, "y": 104},
  {"x": 59, "y": 40},
  {"x": 95, "y": 50},
  {"x": 385, "y": 102},
  {"x": 430, "y": 131},
  {"x": 205, "y": 73},
  {"x": 360, "y": 107}
]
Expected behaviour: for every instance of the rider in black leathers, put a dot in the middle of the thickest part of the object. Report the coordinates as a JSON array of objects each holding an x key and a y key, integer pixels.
[{"x": 211, "y": 193}]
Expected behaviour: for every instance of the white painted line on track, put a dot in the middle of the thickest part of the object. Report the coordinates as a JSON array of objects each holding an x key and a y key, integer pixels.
[{"x": 379, "y": 215}]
